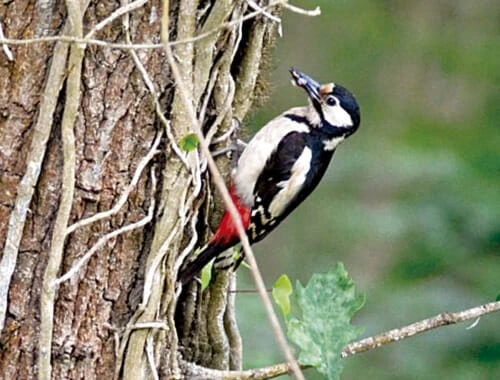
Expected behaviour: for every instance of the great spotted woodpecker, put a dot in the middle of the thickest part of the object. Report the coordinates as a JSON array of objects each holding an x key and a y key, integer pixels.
[{"x": 283, "y": 164}]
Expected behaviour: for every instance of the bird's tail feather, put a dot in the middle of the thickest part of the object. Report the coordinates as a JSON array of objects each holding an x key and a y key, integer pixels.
[{"x": 194, "y": 267}]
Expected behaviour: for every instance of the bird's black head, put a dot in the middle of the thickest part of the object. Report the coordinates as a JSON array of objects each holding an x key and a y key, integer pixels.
[{"x": 331, "y": 103}]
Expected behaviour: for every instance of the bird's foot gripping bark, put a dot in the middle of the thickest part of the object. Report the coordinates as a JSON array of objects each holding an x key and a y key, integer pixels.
[{"x": 236, "y": 147}]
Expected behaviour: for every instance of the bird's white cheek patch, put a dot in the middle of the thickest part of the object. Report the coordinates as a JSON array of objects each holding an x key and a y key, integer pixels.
[
  {"x": 292, "y": 186},
  {"x": 337, "y": 116}
]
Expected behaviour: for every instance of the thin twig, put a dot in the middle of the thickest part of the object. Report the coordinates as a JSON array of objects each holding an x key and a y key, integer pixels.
[
  {"x": 231, "y": 327},
  {"x": 219, "y": 182},
  {"x": 443, "y": 319},
  {"x": 126, "y": 46},
  {"x": 270, "y": 16},
  {"x": 208, "y": 91},
  {"x": 149, "y": 277},
  {"x": 117, "y": 13},
  {"x": 225, "y": 135},
  {"x": 247, "y": 291},
  {"x": 194, "y": 371},
  {"x": 149, "y": 325},
  {"x": 257, "y": 7},
  {"x": 226, "y": 108},
  {"x": 5, "y": 47},
  {"x": 151, "y": 357},
  {"x": 159, "y": 112},
  {"x": 124, "y": 196},
  {"x": 76, "y": 40},
  {"x": 190, "y": 246},
  {"x": 72, "y": 103},
  {"x": 315, "y": 12},
  {"x": 100, "y": 243}
]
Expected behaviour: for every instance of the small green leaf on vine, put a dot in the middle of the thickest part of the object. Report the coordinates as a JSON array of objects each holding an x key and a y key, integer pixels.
[{"x": 189, "y": 142}]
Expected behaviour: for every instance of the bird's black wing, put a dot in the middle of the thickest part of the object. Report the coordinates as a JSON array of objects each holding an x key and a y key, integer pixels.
[{"x": 277, "y": 171}]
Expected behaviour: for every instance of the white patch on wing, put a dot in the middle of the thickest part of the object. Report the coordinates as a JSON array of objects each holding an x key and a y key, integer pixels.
[
  {"x": 292, "y": 187},
  {"x": 333, "y": 143},
  {"x": 254, "y": 157},
  {"x": 283, "y": 184},
  {"x": 337, "y": 116}
]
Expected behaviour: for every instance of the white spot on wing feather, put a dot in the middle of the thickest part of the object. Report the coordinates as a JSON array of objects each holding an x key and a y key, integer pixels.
[
  {"x": 292, "y": 187},
  {"x": 283, "y": 184}
]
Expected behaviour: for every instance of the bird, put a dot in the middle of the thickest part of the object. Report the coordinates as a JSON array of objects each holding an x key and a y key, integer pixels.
[{"x": 282, "y": 164}]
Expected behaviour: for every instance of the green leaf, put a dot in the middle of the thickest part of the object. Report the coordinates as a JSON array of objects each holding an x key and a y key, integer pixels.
[
  {"x": 206, "y": 275},
  {"x": 328, "y": 303},
  {"x": 189, "y": 142},
  {"x": 282, "y": 290},
  {"x": 498, "y": 298}
]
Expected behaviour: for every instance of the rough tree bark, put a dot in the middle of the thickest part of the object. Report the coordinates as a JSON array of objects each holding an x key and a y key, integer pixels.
[{"x": 78, "y": 123}]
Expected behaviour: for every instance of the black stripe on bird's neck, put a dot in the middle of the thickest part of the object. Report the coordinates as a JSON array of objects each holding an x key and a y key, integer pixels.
[
  {"x": 331, "y": 131},
  {"x": 298, "y": 119}
]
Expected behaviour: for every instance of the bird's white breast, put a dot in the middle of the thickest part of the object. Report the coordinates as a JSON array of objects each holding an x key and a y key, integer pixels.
[{"x": 259, "y": 149}]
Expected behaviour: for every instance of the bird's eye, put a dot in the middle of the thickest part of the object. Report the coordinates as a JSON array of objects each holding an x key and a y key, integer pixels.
[{"x": 331, "y": 100}]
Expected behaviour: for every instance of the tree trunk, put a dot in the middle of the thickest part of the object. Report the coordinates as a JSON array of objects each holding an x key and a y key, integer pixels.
[{"x": 83, "y": 133}]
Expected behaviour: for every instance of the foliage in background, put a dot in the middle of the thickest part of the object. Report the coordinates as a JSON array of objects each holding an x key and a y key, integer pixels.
[{"x": 411, "y": 203}]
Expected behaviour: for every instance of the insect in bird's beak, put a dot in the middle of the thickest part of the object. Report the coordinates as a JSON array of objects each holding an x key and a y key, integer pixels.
[{"x": 302, "y": 80}]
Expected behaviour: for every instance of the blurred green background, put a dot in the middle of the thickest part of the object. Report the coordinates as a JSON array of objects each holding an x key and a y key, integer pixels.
[{"x": 411, "y": 203}]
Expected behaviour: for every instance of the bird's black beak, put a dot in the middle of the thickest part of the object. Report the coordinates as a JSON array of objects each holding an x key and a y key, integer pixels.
[{"x": 307, "y": 83}]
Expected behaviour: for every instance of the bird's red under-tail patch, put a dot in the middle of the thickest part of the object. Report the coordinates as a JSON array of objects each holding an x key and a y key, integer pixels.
[{"x": 227, "y": 234}]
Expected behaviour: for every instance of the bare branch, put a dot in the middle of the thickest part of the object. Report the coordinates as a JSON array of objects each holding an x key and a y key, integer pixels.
[
  {"x": 315, "y": 12},
  {"x": 270, "y": 16},
  {"x": 149, "y": 325},
  {"x": 149, "y": 277},
  {"x": 257, "y": 7},
  {"x": 231, "y": 326},
  {"x": 76, "y": 40},
  {"x": 191, "y": 245},
  {"x": 113, "y": 16},
  {"x": 73, "y": 95},
  {"x": 159, "y": 112},
  {"x": 151, "y": 357},
  {"x": 194, "y": 371},
  {"x": 5, "y": 47},
  {"x": 443, "y": 319},
  {"x": 125, "y": 46}
]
